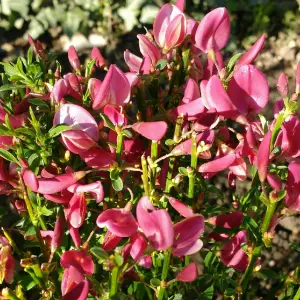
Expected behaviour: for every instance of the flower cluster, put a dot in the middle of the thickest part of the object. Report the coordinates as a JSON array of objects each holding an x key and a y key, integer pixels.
[{"x": 112, "y": 179}]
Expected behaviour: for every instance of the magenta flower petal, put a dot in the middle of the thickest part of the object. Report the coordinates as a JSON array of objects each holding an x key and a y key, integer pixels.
[
  {"x": 186, "y": 236},
  {"x": 115, "y": 89},
  {"x": 76, "y": 210},
  {"x": 58, "y": 234},
  {"x": 156, "y": 224},
  {"x": 232, "y": 255},
  {"x": 248, "y": 83},
  {"x": 73, "y": 58},
  {"x": 181, "y": 208},
  {"x": 274, "y": 181},
  {"x": 191, "y": 110},
  {"x": 191, "y": 92},
  {"x": 133, "y": 62},
  {"x": 252, "y": 53},
  {"x": 175, "y": 32},
  {"x": 231, "y": 220},
  {"x": 148, "y": 48},
  {"x": 118, "y": 221},
  {"x": 213, "y": 31},
  {"x": 217, "y": 165},
  {"x": 114, "y": 115},
  {"x": 98, "y": 158},
  {"x": 99, "y": 59},
  {"x": 77, "y": 117},
  {"x": 94, "y": 85},
  {"x": 154, "y": 131},
  {"x": 138, "y": 246},
  {"x": 180, "y": 4},
  {"x": 79, "y": 259},
  {"x": 292, "y": 200},
  {"x": 75, "y": 235},
  {"x": 263, "y": 156},
  {"x": 95, "y": 188},
  {"x": 110, "y": 241},
  {"x": 77, "y": 141},
  {"x": 282, "y": 85},
  {"x": 188, "y": 274}
]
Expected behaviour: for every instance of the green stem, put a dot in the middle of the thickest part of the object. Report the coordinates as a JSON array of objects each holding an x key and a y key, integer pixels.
[
  {"x": 120, "y": 140},
  {"x": 164, "y": 274},
  {"x": 12, "y": 243},
  {"x": 154, "y": 153},
  {"x": 170, "y": 174},
  {"x": 6, "y": 292},
  {"x": 192, "y": 174},
  {"x": 145, "y": 176},
  {"x": 114, "y": 282}
]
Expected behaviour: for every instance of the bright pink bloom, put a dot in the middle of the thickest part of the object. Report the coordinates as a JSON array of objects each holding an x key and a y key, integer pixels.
[
  {"x": 98, "y": 158},
  {"x": 154, "y": 131},
  {"x": 58, "y": 234},
  {"x": 73, "y": 58},
  {"x": 37, "y": 48},
  {"x": 188, "y": 274},
  {"x": 248, "y": 83},
  {"x": 78, "y": 118},
  {"x": 283, "y": 85},
  {"x": 169, "y": 27},
  {"x": 133, "y": 62},
  {"x": 180, "y": 4},
  {"x": 74, "y": 285},
  {"x": 274, "y": 181},
  {"x": 76, "y": 211},
  {"x": 263, "y": 156},
  {"x": 115, "y": 115},
  {"x": 146, "y": 262},
  {"x": 138, "y": 246},
  {"x": 218, "y": 164},
  {"x": 213, "y": 31},
  {"x": 115, "y": 89},
  {"x": 190, "y": 111},
  {"x": 60, "y": 90},
  {"x": 191, "y": 92},
  {"x": 232, "y": 255},
  {"x": 78, "y": 259},
  {"x": 75, "y": 235},
  {"x": 75, "y": 84},
  {"x": 252, "y": 53},
  {"x": 292, "y": 200},
  {"x": 7, "y": 262},
  {"x": 186, "y": 236},
  {"x": 51, "y": 185},
  {"x": 156, "y": 224},
  {"x": 181, "y": 208},
  {"x": 231, "y": 220},
  {"x": 110, "y": 241},
  {"x": 118, "y": 221},
  {"x": 99, "y": 59},
  {"x": 94, "y": 85},
  {"x": 95, "y": 189},
  {"x": 148, "y": 48}
]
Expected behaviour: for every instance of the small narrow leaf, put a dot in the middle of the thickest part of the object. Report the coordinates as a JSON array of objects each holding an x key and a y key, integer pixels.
[
  {"x": 8, "y": 156},
  {"x": 57, "y": 130}
]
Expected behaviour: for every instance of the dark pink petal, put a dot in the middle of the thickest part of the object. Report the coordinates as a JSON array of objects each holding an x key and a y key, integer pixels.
[
  {"x": 218, "y": 99},
  {"x": 154, "y": 131},
  {"x": 94, "y": 87},
  {"x": 76, "y": 211},
  {"x": 79, "y": 259},
  {"x": 75, "y": 235},
  {"x": 217, "y": 165},
  {"x": 77, "y": 141},
  {"x": 282, "y": 85},
  {"x": 98, "y": 158},
  {"x": 263, "y": 156},
  {"x": 180, "y": 4},
  {"x": 239, "y": 168},
  {"x": 132, "y": 77},
  {"x": 292, "y": 200},
  {"x": 232, "y": 255},
  {"x": 187, "y": 234},
  {"x": 156, "y": 224},
  {"x": 118, "y": 221},
  {"x": 95, "y": 188},
  {"x": 191, "y": 110},
  {"x": 73, "y": 58},
  {"x": 249, "y": 84},
  {"x": 133, "y": 62},
  {"x": 61, "y": 89},
  {"x": 30, "y": 180},
  {"x": 191, "y": 92},
  {"x": 78, "y": 291},
  {"x": 181, "y": 208},
  {"x": 115, "y": 89},
  {"x": 138, "y": 246},
  {"x": 99, "y": 59},
  {"x": 188, "y": 274},
  {"x": 146, "y": 262},
  {"x": 110, "y": 241},
  {"x": 58, "y": 234},
  {"x": 148, "y": 48},
  {"x": 231, "y": 220},
  {"x": 213, "y": 31},
  {"x": 58, "y": 199},
  {"x": 252, "y": 53},
  {"x": 115, "y": 116},
  {"x": 77, "y": 117},
  {"x": 175, "y": 32},
  {"x": 274, "y": 181},
  {"x": 162, "y": 21}
]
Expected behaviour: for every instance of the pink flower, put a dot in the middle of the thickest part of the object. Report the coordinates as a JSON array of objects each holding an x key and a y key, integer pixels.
[
  {"x": 292, "y": 200},
  {"x": 188, "y": 274},
  {"x": 282, "y": 85},
  {"x": 191, "y": 91},
  {"x": 115, "y": 115},
  {"x": 252, "y": 53},
  {"x": 169, "y": 27},
  {"x": 263, "y": 156},
  {"x": 95, "y": 189},
  {"x": 99, "y": 59},
  {"x": 58, "y": 234},
  {"x": 181, "y": 208},
  {"x": 156, "y": 224},
  {"x": 76, "y": 211},
  {"x": 180, "y": 4},
  {"x": 154, "y": 131},
  {"x": 133, "y": 62},
  {"x": 248, "y": 83},
  {"x": 115, "y": 89},
  {"x": 148, "y": 48},
  {"x": 98, "y": 158},
  {"x": 119, "y": 221},
  {"x": 138, "y": 246},
  {"x": 110, "y": 241},
  {"x": 186, "y": 236},
  {"x": 7, "y": 262},
  {"x": 218, "y": 164},
  {"x": 232, "y": 255},
  {"x": 231, "y": 220},
  {"x": 73, "y": 58},
  {"x": 191, "y": 110},
  {"x": 213, "y": 31}
]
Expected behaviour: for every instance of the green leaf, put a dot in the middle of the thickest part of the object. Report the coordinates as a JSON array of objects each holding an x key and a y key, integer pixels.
[
  {"x": 30, "y": 231},
  {"x": 27, "y": 282},
  {"x": 10, "y": 87},
  {"x": 233, "y": 60},
  {"x": 114, "y": 174},
  {"x": 176, "y": 297},
  {"x": 127, "y": 133},
  {"x": 29, "y": 55},
  {"x": 117, "y": 184},
  {"x": 119, "y": 259},
  {"x": 108, "y": 122},
  {"x": 183, "y": 171},
  {"x": 161, "y": 64},
  {"x": 89, "y": 68},
  {"x": 295, "y": 246},
  {"x": 8, "y": 156},
  {"x": 253, "y": 227},
  {"x": 5, "y": 131},
  {"x": 155, "y": 282},
  {"x": 45, "y": 211},
  {"x": 8, "y": 123},
  {"x": 38, "y": 102},
  {"x": 57, "y": 130},
  {"x": 207, "y": 294},
  {"x": 99, "y": 253},
  {"x": 170, "y": 142}
]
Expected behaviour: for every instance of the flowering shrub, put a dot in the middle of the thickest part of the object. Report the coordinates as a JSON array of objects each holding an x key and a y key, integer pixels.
[{"x": 112, "y": 180}]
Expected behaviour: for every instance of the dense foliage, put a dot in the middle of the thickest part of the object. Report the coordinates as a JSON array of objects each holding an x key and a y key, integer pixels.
[{"x": 109, "y": 182}]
